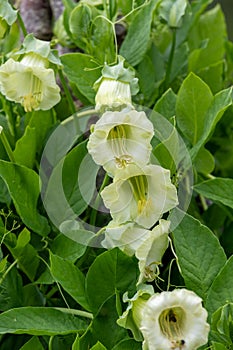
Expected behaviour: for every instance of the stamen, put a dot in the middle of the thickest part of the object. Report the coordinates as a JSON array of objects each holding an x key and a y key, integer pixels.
[
  {"x": 32, "y": 100},
  {"x": 171, "y": 322},
  {"x": 139, "y": 186},
  {"x": 117, "y": 136}
]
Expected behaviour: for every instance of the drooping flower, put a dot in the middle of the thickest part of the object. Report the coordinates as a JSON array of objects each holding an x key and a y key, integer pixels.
[
  {"x": 174, "y": 320},
  {"x": 147, "y": 245},
  {"x": 121, "y": 138},
  {"x": 29, "y": 82},
  {"x": 140, "y": 194},
  {"x": 151, "y": 251},
  {"x": 115, "y": 87}
]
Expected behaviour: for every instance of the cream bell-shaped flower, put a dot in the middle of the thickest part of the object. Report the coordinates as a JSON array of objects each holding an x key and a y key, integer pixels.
[
  {"x": 115, "y": 87},
  {"x": 140, "y": 194},
  {"x": 29, "y": 82},
  {"x": 151, "y": 251},
  {"x": 121, "y": 138},
  {"x": 173, "y": 320},
  {"x": 128, "y": 237},
  {"x": 147, "y": 245}
]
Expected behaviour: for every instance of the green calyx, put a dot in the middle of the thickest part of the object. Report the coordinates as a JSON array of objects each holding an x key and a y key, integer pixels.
[{"x": 119, "y": 73}]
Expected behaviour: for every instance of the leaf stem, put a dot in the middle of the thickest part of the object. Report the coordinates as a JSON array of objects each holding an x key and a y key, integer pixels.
[
  {"x": 21, "y": 24},
  {"x": 6, "y": 145}
]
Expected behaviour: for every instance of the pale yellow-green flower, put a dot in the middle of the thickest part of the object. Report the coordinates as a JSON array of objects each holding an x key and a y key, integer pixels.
[
  {"x": 174, "y": 320},
  {"x": 147, "y": 245},
  {"x": 151, "y": 251},
  {"x": 115, "y": 87},
  {"x": 121, "y": 138},
  {"x": 29, "y": 82},
  {"x": 140, "y": 194}
]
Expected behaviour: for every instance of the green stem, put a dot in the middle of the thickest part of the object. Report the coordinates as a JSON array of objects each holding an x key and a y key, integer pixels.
[
  {"x": 21, "y": 24},
  {"x": 6, "y": 145},
  {"x": 98, "y": 200},
  {"x": 171, "y": 56},
  {"x": 51, "y": 342},
  {"x": 86, "y": 113},
  {"x": 67, "y": 91},
  {"x": 7, "y": 271},
  {"x": 75, "y": 312}
]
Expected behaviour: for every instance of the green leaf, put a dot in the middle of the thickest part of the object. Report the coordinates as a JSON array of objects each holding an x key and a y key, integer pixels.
[
  {"x": 33, "y": 343},
  {"x": 11, "y": 290},
  {"x": 218, "y": 189},
  {"x": 221, "y": 291},
  {"x": 220, "y": 103},
  {"x": 39, "y": 321},
  {"x": 137, "y": 40},
  {"x": 69, "y": 191},
  {"x": 222, "y": 325},
  {"x": 80, "y": 70},
  {"x": 166, "y": 105},
  {"x": 25, "y": 148},
  {"x": 70, "y": 278},
  {"x": 218, "y": 346},
  {"x": 211, "y": 29},
  {"x": 80, "y": 25},
  {"x": 199, "y": 252},
  {"x": 104, "y": 326},
  {"x": 110, "y": 271},
  {"x": 25, "y": 254},
  {"x": 128, "y": 344},
  {"x": 193, "y": 101},
  {"x": 42, "y": 122},
  {"x": 98, "y": 346},
  {"x": 103, "y": 45},
  {"x": 19, "y": 180},
  {"x": 67, "y": 248},
  {"x": 204, "y": 161}
]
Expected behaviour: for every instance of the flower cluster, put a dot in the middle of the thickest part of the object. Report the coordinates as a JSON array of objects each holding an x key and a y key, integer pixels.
[
  {"x": 139, "y": 195},
  {"x": 140, "y": 192}
]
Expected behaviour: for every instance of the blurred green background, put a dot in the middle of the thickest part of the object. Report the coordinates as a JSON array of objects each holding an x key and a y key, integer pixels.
[{"x": 227, "y": 6}]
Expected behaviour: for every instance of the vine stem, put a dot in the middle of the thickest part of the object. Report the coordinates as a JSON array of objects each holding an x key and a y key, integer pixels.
[
  {"x": 97, "y": 200},
  {"x": 6, "y": 145},
  {"x": 21, "y": 24}
]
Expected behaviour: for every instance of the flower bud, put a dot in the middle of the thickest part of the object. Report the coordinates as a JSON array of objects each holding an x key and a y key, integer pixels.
[{"x": 115, "y": 87}]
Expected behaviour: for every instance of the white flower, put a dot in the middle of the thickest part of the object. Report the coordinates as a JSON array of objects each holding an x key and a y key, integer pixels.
[
  {"x": 174, "y": 320},
  {"x": 140, "y": 194},
  {"x": 148, "y": 246},
  {"x": 29, "y": 82},
  {"x": 113, "y": 95},
  {"x": 128, "y": 237},
  {"x": 120, "y": 138},
  {"x": 115, "y": 87},
  {"x": 151, "y": 251}
]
